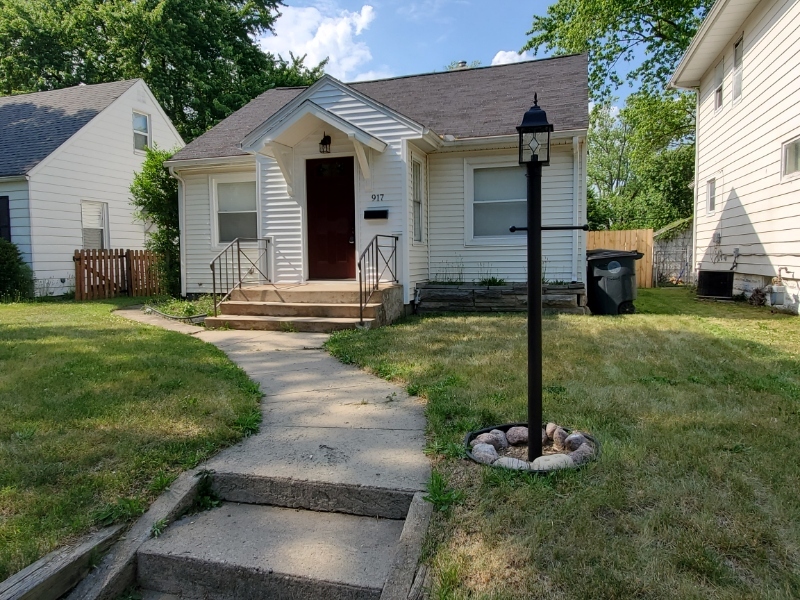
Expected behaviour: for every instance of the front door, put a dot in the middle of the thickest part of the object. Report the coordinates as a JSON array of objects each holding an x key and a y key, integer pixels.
[{"x": 331, "y": 202}]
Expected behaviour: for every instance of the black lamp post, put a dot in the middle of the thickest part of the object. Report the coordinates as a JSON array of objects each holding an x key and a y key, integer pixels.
[{"x": 534, "y": 152}]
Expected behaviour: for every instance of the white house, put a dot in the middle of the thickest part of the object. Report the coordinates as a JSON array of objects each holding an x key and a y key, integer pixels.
[
  {"x": 744, "y": 65},
  {"x": 429, "y": 159},
  {"x": 67, "y": 160}
]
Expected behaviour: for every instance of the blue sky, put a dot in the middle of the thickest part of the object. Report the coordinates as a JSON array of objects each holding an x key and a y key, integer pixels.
[{"x": 369, "y": 40}]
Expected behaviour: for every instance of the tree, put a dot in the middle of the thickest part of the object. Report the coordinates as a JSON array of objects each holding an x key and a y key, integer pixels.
[
  {"x": 155, "y": 197},
  {"x": 613, "y": 31},
  {"x": 199, "y": 57}
]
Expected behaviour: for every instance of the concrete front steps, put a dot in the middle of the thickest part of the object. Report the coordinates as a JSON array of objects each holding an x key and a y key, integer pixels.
[
  {"x": 254, "y": 551},
  {"x": 315, "y": 307}
]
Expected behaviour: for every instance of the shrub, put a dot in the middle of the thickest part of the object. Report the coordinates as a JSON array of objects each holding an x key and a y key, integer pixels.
[{"x": 16, "y": 277}]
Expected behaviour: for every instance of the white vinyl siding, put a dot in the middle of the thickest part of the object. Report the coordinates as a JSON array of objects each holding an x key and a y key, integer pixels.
[
  {"x": 756, "y": 209},
  {"x": 451, "y": 257},
  {"x": 96, "y": 164},
  {"x": 94, "y": 228}
]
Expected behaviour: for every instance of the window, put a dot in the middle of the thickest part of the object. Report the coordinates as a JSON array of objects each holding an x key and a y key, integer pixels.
[
  {"x": 94, "y": 219},
  {"x": 496, "y": 199},
  {"x": 5, "y": 218},
  {"x": 237, "y": 214},
  {"x": 711, "y": 191},
  {"x": 738, "y": 50},
  {"x": 791, "y": 158},
  {"x": 416, "y": 193},
  {"x": 141, "y": 131},
  {"x": 719, "y": 74}
]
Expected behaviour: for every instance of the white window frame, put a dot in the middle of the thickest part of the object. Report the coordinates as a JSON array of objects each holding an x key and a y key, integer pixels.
[
  {"x": 422, "y": 208},
  {"x": 737, "y": 72},
  {"x": 784, "y": 155},
  {"x": 106, "y": 242},
  {"x": 719, "y": 85},
  {"x": 486, "y": 162},
  {"x": 149, "y": 131},
  {"x": 213, "y": 182},
  {"x": 709, "y": 183}
]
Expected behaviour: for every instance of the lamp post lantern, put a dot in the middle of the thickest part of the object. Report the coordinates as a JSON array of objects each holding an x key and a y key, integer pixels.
[{"x": 534, "y": 153}]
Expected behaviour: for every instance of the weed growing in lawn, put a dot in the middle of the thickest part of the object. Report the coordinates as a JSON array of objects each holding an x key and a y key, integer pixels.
[
  {"x": 248, "y": 423},
  {"x": 440, "y": 495},
  {"x": 161, "y": 481},
  {"x": 121, "y": 510}
]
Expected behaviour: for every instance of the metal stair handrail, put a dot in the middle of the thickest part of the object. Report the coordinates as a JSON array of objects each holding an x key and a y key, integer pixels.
[
  {"x": 226, "y": 268},
  {"x": 370, "y": 270}
]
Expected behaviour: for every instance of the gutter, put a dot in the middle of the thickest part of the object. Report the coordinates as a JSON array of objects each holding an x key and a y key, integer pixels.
[{"x": 221, "y": 161}]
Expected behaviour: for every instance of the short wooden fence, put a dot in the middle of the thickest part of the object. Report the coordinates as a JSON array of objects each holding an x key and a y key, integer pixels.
[
  {"x": 110, "y": 273},
  {"x": 628, "y": 239}
]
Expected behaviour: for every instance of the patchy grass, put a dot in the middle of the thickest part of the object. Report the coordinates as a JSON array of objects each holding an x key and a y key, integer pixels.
[
  {"x": 176, "y": 307},
  {"x": 99, "y": 415},
  {"x": 697, "y": 407}
]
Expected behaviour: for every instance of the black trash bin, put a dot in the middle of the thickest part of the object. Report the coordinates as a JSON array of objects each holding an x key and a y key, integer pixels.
[{"x": 611, "y": 281}]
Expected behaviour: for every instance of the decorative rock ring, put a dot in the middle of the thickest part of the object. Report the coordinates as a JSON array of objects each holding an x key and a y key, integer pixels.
[{"x": 585, "y": 448}]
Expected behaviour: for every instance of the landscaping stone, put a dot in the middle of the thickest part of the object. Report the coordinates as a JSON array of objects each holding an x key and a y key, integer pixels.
[
  {"x": 501, "y": 437},
  {"x": 574, "y": 441},
  {"x": 512, "y": 463},
  {"x": 551, "y": 429},
  {"x": 583, "y": 454},
  {"x": 484, "y": 453},
  {"x": 488, "y": 438},
  {"x": 559, "y": 437},
  {"x": 545, "y": 439},
  {"x": 517, "y": 435},
  {"x": 552, "y": 462}
]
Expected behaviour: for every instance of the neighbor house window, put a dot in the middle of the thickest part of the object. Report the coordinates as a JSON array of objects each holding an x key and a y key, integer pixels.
[
  {"x": 496, "y": 199},
  {"x": 719, "y": 75},
  {"x": 237, "y": 214},
  {"x": 141, "y": 131},
  {"x": 416, "y": 193},
  {"x": 791, "y": 158},
  {"x": 711, "y": 190},
  {"x": 94, "y": 224},
  {"x": 5, "y": 218},
  {"x": 738, "y": 49}
]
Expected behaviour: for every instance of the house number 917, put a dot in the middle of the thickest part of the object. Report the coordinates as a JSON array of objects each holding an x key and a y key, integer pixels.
[{"x": 377, "y": 197}]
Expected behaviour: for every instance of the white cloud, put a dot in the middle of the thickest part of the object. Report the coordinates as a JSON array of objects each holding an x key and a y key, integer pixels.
[
  {"x": 323, "y": 31},
  {"x": 506, "y": 57}
]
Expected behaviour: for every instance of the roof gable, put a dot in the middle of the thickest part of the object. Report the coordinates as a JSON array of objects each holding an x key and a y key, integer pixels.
[
  {"x": 469, "y": 103},
  {"x": 33, "y": 126}
]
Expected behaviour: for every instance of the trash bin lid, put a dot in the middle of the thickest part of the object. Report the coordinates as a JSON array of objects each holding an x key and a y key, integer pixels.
[{"x": 603, "y": 254}]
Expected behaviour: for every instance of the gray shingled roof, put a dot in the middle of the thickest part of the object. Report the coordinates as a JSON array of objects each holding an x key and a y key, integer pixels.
[
  {"x": 482, "y": 102},
  {"x": 32, "y": 126}
]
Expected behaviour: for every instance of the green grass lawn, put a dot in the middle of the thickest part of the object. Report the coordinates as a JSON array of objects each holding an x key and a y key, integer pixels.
[
  {"x": 697, "y": 407},
  {"x": 99, "y": 415}
]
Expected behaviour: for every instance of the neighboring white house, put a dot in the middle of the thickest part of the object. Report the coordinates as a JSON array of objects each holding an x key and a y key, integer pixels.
[
  {"x": 67, "y": 160},
  {"x": 745, "y": 66},
  {"x": 429, "y": 158}
]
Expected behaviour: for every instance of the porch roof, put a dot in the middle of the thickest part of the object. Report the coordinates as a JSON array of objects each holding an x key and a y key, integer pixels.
[{"x": 467, "y": 103}]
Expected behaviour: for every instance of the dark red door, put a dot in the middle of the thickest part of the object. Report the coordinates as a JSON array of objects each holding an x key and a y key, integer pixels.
[{"x": 331, "y": 202}]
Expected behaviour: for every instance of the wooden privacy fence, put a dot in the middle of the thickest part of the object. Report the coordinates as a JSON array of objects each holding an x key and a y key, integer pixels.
[
  {"x": 628, "y": 239},
  {"x": 110, "y": 273}
]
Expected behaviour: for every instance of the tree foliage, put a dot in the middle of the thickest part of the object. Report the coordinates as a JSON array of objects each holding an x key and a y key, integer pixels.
[
  {"x": 199, "y": 57},
  {"x": 155, "y": 197},
  {"x": 615, "y": 32},
  {"x": 16, "y": 277}
]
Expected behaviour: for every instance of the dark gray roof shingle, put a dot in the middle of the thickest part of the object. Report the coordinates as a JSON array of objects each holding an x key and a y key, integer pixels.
[
  {"x": 32, "y": 126},
  {"x": 482, "y": 102}
]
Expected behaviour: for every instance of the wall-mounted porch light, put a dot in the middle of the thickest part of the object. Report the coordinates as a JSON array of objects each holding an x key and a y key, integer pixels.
[{"x": 325, "y": 144}]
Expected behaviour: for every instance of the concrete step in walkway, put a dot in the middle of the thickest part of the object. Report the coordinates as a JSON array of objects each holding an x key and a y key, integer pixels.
[
  {"x": 318, "y": 503},
  {"x": 298, "y": 309},
  {"x": 288, "y": 324},
  {"x": 243, "y": 552}
]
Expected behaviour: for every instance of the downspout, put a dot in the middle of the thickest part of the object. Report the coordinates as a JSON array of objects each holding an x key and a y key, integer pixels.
[
  {"x": 181, "y": 228},
  {"x": 695, "y": 268}
]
